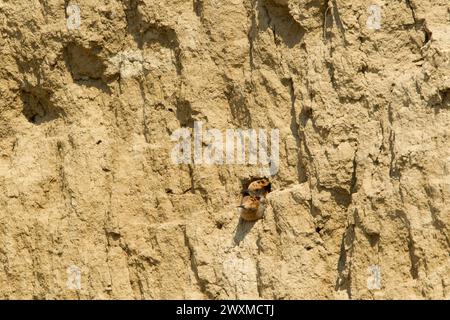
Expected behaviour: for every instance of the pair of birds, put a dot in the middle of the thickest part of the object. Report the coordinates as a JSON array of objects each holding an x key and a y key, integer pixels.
[{"x": 253, "y": 201}]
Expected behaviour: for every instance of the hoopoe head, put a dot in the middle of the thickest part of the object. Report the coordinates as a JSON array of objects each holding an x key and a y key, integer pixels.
[
  {"x": 258, "y": 188},
  {"x": 249, "y": 203}
]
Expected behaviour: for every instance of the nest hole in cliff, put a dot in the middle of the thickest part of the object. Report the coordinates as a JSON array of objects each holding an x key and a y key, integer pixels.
[
  {"x": 219, "y": 225},
  {"x": 86, "y": 66},
  {"x": 276, "y": 15},
  {"x": 185, "y": 114},
  {"x": 445, "y": 97},
  {"x": 38, "y": 108},
  {"x": 83, "y": 62}
]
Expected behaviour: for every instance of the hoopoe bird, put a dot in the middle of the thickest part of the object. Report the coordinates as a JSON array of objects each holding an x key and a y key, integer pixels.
[{"x": 251, "y": 208}]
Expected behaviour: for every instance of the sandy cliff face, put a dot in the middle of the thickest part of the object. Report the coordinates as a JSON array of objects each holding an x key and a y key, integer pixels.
[{"x": 92, "y": 206}]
